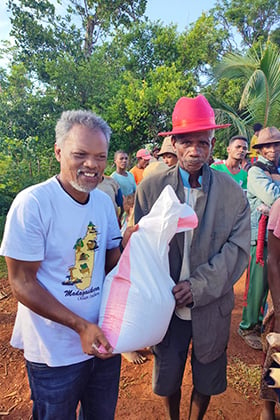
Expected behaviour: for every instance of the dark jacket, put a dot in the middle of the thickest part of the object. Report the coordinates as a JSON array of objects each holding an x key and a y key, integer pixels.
[{"x": 219, "y": 251}]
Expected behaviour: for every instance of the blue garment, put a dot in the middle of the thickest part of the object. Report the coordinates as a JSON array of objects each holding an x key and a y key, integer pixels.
[
  {"x": 119, "y": 198},
  {"x": 262, "y": 189},
  {"x": 126, "y": 183},
  {"x": 186, "y": 176},
  {"x": 56, "y": 391}
]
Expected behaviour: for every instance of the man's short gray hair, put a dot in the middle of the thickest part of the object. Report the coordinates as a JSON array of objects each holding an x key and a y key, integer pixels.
[{"x": 86, "y": 118}]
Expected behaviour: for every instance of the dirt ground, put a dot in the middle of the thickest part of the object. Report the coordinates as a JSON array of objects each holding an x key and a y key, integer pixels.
[{"x": 136, "y": 400}]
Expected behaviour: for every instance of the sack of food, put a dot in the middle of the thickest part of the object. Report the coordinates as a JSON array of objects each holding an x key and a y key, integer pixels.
[{"x": 137, "y": 301}]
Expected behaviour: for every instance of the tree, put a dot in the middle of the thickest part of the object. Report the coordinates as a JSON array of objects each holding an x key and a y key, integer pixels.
[
  {"x": 224, "y": 96},
  {"x": 26, "y": 109},
  {"x": 132, "y": 80},
  {"x": 146, "y": 46},
  {"x": 201, "y": 46},
  {"x": 259, "y": 70},
  {"x": 151, "y": 44},
  {"x": 254, "y": 20},
  {"x": 142, "y": 108},
  {"x": 152, "y": 67},
  {"x": 26, "y": 133},
  {"x": 39, "y": 29}
]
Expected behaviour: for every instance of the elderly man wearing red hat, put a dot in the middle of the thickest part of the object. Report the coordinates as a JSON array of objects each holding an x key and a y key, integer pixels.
[
  {"x": 143, "y": 157},
  {"x": 205, "y": 263}
]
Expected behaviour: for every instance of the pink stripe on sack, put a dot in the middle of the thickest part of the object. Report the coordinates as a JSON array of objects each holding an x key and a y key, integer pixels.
[
  {"x": 187, "y": 222},
  {"x": 117, "y": 299}
]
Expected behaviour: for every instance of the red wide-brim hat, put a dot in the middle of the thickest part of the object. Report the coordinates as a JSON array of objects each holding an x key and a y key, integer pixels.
[{"x": 191, "y": 115}]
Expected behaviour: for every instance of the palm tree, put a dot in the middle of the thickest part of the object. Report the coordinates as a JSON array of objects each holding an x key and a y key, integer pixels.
[{"x": 259, "y": 70}]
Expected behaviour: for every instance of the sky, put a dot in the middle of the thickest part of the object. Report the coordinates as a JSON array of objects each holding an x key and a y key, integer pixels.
[{"x": 181, "y": 12}]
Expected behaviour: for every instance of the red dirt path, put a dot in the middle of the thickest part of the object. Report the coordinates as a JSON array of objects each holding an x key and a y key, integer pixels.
[{"x": 136, "y": 400}]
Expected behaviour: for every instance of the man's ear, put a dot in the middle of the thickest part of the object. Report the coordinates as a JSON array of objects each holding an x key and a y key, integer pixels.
[
  {"x": 57, "y": 152},
  {"x": 213, "y": 141},
  {"x": 173, "y": 142}
]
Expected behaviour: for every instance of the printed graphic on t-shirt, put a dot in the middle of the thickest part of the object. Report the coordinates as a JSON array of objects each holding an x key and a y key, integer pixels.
[{"x": 80, "y": 273}]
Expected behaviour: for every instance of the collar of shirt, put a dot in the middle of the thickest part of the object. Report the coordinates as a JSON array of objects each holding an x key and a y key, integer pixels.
[{"x": 185, "y": 178}]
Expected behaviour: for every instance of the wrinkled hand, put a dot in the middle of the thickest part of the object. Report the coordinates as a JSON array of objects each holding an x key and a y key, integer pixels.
[
  {"x": 182, "y": 293},
  {"x": 127, "y": 234},
  {"x": 94, "y": 342}
]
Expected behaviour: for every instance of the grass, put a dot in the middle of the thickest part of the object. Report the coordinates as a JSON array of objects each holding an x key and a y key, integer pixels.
[
  {"x": 3, "y": 268},
  {"x": 244, "y": 378}
]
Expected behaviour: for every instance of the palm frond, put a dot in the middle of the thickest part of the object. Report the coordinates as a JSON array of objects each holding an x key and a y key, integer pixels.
[
  {"x": 224, "y": 113},
  {"x": 235, "y": 66},
  {"x": 259, "y": 69}
]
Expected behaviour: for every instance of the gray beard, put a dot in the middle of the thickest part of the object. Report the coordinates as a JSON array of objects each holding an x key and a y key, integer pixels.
[{"x": 81, "y": 188}]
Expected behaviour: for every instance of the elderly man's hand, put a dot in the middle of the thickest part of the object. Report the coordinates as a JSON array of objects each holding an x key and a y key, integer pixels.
[{"x": 183, "y": 294}]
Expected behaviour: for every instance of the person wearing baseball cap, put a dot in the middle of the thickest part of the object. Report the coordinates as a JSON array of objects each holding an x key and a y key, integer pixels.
[
  {"x": 143, "y": 157},
  {"x": 263, "y": 190},
  {"x": 204, "y": 263}
]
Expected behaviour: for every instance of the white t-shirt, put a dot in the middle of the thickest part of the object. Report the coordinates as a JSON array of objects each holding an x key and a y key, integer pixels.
[{"x": 70, "y": 239}]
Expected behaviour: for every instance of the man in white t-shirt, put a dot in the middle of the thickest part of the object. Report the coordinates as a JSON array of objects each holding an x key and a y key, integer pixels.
[{"x": 60, "y": 239}]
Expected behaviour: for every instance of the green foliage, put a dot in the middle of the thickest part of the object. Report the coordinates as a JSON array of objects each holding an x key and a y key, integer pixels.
[
  {"x": 43, "y": 34},
  {"x": 26, "y": 109},
  {"x": 253, "y": 20},
  {"x": 224, "y": 97},
  {"x": 275, "y": 37},
  {"x": 259, "y": 73},
  {"x": 146, "y": 46},
  {"x": 63, "y": 59},
  {"x": 22, "y": 165},
  {"x": 3, "y": 266},
  {"x": 202, "y": 45},
  {"x": 145, "y": 106}
]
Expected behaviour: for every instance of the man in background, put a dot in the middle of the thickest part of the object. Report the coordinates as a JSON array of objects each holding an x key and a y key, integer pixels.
[
  {"x": 155, "y": 151},
  {"x": 263, "y": 189},
  {"x": 236, "y": 150},
  {"x": 112, "y": 188},
  {"x": 143, "y": 157},
  {"x": 124, "y": 178},
  {"x": 167, "y": 152}
]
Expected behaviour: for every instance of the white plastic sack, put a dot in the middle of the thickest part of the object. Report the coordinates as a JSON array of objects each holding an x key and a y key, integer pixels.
[{"x": 137, "y": 301}]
